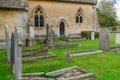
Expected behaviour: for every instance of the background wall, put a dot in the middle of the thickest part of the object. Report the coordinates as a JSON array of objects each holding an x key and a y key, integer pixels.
[
  {"x": 55, "y": 11},
  {"x": 13, "y": 18}
]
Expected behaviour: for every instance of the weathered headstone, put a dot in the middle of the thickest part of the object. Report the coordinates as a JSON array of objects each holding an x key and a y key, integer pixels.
[
  {"x": 51, "y": 38},
  {"x": 12, "y": 51},
  {"x": 47, "y": 39},
  {"x": 47, "y": 33},
  {"x": 7, "y": 43},
  {"x": 117, "y": 38},
  {"x": 22, "y": 34},
  {"x": 18, "y": 61},
  {"x": 32, "y": 34},
  {"x": 20, "y": 31},
  {"x": 30, "y": 41},
  {"x": 104, "y": 39}
]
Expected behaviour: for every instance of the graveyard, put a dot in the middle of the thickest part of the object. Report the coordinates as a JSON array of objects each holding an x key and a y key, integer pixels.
[
  {"x": 105, "y": 64},
  {"x": 59, "y": 40}
]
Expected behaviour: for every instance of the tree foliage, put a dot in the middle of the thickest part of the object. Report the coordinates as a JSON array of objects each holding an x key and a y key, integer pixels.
[{"x": 106, "y": 14}]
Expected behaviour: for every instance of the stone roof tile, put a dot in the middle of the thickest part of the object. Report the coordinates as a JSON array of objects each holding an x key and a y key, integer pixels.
[
  {"x": 23, "y": 3},
  {"x": 12, "y": 3},
  {"x": 81, "y": 1}
]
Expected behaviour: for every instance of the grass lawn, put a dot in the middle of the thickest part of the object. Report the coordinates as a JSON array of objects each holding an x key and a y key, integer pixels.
[
  {"x": 105, "y": 65},
  {"x": 5, "y": 73}
]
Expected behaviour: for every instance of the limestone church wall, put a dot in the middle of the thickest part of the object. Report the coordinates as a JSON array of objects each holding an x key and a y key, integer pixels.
[
  {"x": 13, "y": 18},
  {"x": 54, "y": 12}
]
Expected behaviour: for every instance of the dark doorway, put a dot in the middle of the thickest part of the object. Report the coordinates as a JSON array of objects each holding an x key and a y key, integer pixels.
[{"x": 62, "y": 29}]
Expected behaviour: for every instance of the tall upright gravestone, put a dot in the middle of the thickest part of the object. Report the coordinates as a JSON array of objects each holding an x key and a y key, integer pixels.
[
  {"x": 31, "y": 40},
  {"x": 32, "y": 34},
  {"x": 7, "y": 43},
  {"x": 104, "y": 39},
  {"x": 47, "y": 32},
  {"x": 12, "y": 58},
  {"x": 51, "y": 38},
  {"x": 17, "y": 57}
]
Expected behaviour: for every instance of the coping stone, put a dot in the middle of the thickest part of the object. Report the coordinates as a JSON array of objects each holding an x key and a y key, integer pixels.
[
  {"x": 59, "y": 72},
  {"x": 33, "y": 74},
  {"x": 84, "y": 53}
]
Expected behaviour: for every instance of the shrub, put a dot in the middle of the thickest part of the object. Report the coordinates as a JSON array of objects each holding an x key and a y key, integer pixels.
[
  {"x": 96, "y": 34},
  {"x": 87, "y": 34},
  {"x": 114, "y": 28}
]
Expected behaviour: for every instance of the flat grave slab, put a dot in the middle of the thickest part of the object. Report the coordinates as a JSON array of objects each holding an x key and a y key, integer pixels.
[
  {"x": 115, "y": 49},
  {"x": 84, "y": 52},
  {"x": 76, "y": 39},
  {"x": 73, "y": 37},
  {"x": 36, "y": 54},
  {"x": 65, "y": 45},
  {"x": 71, "y": 73}
]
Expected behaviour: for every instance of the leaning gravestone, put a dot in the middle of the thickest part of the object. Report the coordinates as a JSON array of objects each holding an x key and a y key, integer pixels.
[
  {"x": 117, "y": 38},
  {"x": 18, "y": 58},
  {"x": 51, "y": 38},
  {"x": 104, "y": 39},
  {"x": 7, "y": 43}
]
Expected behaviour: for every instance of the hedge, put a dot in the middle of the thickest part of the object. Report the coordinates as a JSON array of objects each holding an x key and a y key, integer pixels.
[{"x": 87, "y": 34}]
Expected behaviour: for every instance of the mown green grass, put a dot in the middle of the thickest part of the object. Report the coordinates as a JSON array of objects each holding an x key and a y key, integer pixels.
[
  {"x": 5, "y": 73},
  {"x": 37, "y": 46},
  {"x": 105, "y": 65}
]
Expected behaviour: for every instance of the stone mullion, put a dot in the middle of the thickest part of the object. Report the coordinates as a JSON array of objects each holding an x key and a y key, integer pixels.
[
  {"x": 78, "y": 19},
  {"x": 39, "y": 20}
]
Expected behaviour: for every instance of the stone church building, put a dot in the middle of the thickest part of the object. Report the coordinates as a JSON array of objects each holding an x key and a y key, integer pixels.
[
  {"x": 67, "y": 17},
  {"x": 14, "y": 14}
]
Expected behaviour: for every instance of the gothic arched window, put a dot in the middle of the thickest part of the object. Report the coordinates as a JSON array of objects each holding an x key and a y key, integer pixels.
[
  {"x": 79, "y": 16},
  {"x": 39, "y": 18}
]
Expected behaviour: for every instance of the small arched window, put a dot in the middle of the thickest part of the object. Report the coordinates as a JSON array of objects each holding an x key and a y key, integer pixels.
[
  {"x": 39, "y": 18},
  {"x": 79, "y": 16}
]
